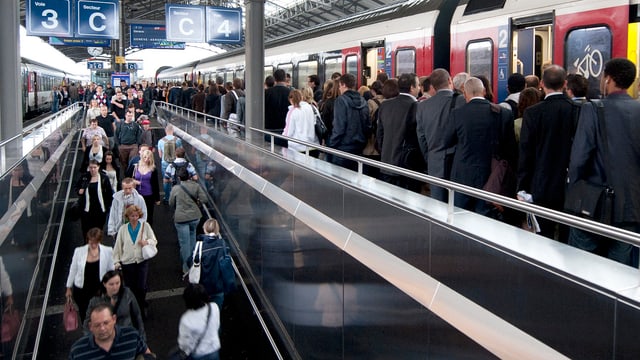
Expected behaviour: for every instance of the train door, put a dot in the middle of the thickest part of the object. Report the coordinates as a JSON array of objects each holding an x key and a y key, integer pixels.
[
  {"x": 532, "y": 43},
  {"x": 372, "y": 61}
]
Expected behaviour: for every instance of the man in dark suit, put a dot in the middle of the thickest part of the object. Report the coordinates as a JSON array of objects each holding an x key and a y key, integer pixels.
[
  {"x": 276, "y": 105},
  {"x": 432, "y": 118},
  {"x": 589, "y": 155},
  {"x": 545, "y": 145},
  {"x": 397, "y": 132},
  {"x": 479, "y": 131}
]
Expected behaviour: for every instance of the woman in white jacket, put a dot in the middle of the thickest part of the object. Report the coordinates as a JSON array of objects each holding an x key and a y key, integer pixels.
[
  {"x": 300, "y": 123},
  {"x": 89, "y": 264}
]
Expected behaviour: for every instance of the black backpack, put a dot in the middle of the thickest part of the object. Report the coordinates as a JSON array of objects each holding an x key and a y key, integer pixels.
[
  {"x": 180, "y": 169},
  {"x": 514, "y": 108}
]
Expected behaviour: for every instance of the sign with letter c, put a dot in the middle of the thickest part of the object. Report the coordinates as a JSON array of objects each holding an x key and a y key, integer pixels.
[
  {"x": 185, "y": 23},
  {"x": 98, "y": 19}
]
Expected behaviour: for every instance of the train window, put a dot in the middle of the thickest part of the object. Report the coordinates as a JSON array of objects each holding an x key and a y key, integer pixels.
[
  {"x": 478, "y": 6},
  {"x": 228, "y": 76},
  {"x": 405, "y": 61},
  {"x": 479, "y": 58},
  {"x": 586, "y": 51},
  {"x": 240, "y": 74},
  {"x": 288, "y": 68},
  {"x": 268, "y": 71},
  {"x": 306, "y": 68},
  {"x": 332, "y": 65},
  {"x": 352, "y": 65}
]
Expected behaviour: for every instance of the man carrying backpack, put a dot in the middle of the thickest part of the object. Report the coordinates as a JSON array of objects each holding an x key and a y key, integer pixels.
[
  {"x": 174, "y": 168},
  {"x": 167, "y": 147}
]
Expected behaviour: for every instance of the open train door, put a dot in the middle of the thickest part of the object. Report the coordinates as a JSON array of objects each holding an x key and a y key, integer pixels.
[
  {"x": 532, "y": 43},
  {"x": 373, "y": 58}
]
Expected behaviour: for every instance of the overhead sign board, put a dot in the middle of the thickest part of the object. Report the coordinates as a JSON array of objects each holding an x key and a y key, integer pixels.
[
  {"x": 48, "y": 18},
  {"x": 53, "y": 40},
  {"x": 224, "y": 25},
  {"x": 144, "y": 36},
  {"x": 94, "y": 65},
  {"x": 132, "y": 66},
  {"x": 185, "y": 23},
  {"x": 97, "y": 19}
]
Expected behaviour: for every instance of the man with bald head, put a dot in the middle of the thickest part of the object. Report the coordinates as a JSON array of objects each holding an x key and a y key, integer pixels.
[
  {"x": 545, "y": 147},
  {"x": 479, "y": 131}
]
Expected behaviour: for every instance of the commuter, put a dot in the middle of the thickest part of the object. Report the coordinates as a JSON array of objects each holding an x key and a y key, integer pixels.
[
  {"x": 212, "y": 250},
  {"x": 73, "y": 93},
  {"x": 528, "y": 97},
  {"x": 515, "y": 84},
  {"x": 94, "y": 152},
  {"x": 276, "y": 106},
  {"x": 269, "y": 82},
  {"x": 545, "y": 145},
  {"x": 89, "y": 264},
  {"x": 197, "y": 102},
  {"x": 88, "y": 133},
  {"x": 288, "y": 81},
  {"x": 118, "y": 106},
  {"x": 112, "y": 291},
  {"x": 56, "y": 98},
  {"x": 106, "y": 339},
  {"x": 532, "y": 81},
  {"x": 5, "y": 289},
  {"x": 458, "y": 82},
  {"x": 432, "y": 122},
  {"x": 128, "y": 135},
  {"x": 337, "y": 75},
  {"x": 488, "y": 92},
  {"x": 351, "y": 124},
  {"x": 145, "y": 177},
  {"x": 147, "y": 132},
  {"x": 65, "y": 96},
  {"x": 371, "y": 150},
  {"x": 186, "y": 198},
  {"x": 110, "y": 92},
  {"x": 427, "y": 89},
  {"x": 147, "y": 96},
  {"x": 212, "y": 102},
  {"x": 10, "y": 189},
  {"x": 167, "y": 148},
  {"x": 135, "y": 160},
  {"x": 329, "y": 95},
  {"x": 199, "y": 325},
  {"x": 92, "y": 112},
  {"x": 94, "y": 196},
  {"x": 396, "y": 134},
  {"x": 133, "y": 104},
  {"x": 476, "y": 142},
  {"x": 112, "y": 170},
  {"x": 234, "y": 107},
  {"x": 307, "y": 95},
  {"x": 616, "y": 136},
  {"x": 187, "y": 94},
  {"x": 382, "y": 76},
  {"x": 577, "y": 88},
  {"x": 300, "y": 123},
  {"x": 175, "y": 94},
  {"x": 313, "y": 81},
  {"x": 220, "y": 84},
  {"x": 124, "y": 85},
  {"x": 108, "y": 123},
  {"x": 89, "y": 92},
  {"x": 100, "y": 96},
  {"x": 127, "y": 252},
  {"x": 122, "y": 200}
]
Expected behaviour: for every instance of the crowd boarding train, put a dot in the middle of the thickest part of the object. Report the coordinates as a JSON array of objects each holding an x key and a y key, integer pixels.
[
  {"x": 482, "y": 37},
  {"x": 37, "y": 81}
]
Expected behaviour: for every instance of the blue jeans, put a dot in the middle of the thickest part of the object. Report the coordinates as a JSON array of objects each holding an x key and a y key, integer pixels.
[
  {"x": 187, "y": 240},
  {"x": 165, "y": 186}
]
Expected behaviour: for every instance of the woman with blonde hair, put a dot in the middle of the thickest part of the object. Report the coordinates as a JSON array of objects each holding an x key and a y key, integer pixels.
[
  {"x": 300, "y": 122},
  {"x": 145, "y": 175},
  {"x": 127, "y": 252}
]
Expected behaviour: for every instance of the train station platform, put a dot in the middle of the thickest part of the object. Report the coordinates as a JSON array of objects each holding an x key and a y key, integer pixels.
[{"x": 340, "y": 265}]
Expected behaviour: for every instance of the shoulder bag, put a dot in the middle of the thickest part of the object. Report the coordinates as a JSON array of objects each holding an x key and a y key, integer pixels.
[
  {"x": 195, "y": 270},
  {"x": 178, "y": 354},
  {"x": 586, "y": 199}
]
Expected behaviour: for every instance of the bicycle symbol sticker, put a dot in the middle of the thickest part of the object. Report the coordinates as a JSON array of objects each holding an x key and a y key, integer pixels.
[{"x": 590, "y": 65}]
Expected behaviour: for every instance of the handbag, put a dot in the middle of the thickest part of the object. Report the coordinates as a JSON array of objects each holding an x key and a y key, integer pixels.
[
  {"x": 194, "y": 271},
  {"x": 228, "y": 275},
  {"x": 10, "y": 324},
  {"x": 177, "y": 354},
  {"x": 319, "y": 126},
  {"x": 70, "y": 316},
  {"x": 586, "y": 199},
  {"x": 149, "y": 250}
]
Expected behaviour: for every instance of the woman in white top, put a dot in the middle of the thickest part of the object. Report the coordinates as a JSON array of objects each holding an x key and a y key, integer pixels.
[
  {"x": 199, "y": 325},
  {"x": 89, "y": 264},
  {"x": 112, "y": 170},
  {"x": 300, "y": 122}
]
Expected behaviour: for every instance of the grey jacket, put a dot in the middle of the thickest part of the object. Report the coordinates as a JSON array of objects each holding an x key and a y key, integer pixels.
[{"x": 186, "y": 209}]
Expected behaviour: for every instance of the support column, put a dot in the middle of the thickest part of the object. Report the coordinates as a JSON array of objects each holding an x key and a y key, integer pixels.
[
  {"x": 10, "y": 101},
  {"x": 254, "y": 60}
]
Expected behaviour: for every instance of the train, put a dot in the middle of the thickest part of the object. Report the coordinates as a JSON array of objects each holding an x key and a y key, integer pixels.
[
  {"x": 494, "y": 38},
  {"x": 37, "y": 81}
]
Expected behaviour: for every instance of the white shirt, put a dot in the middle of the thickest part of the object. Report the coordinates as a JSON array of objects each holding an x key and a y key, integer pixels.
[{"x": 192, "y": 324}]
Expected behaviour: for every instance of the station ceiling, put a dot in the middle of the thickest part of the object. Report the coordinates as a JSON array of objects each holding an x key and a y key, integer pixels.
[{"x": 282, "y": 17}]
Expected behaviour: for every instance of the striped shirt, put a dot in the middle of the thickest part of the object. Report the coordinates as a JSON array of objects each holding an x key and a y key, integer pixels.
[{"x": 127, "y": 344}]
